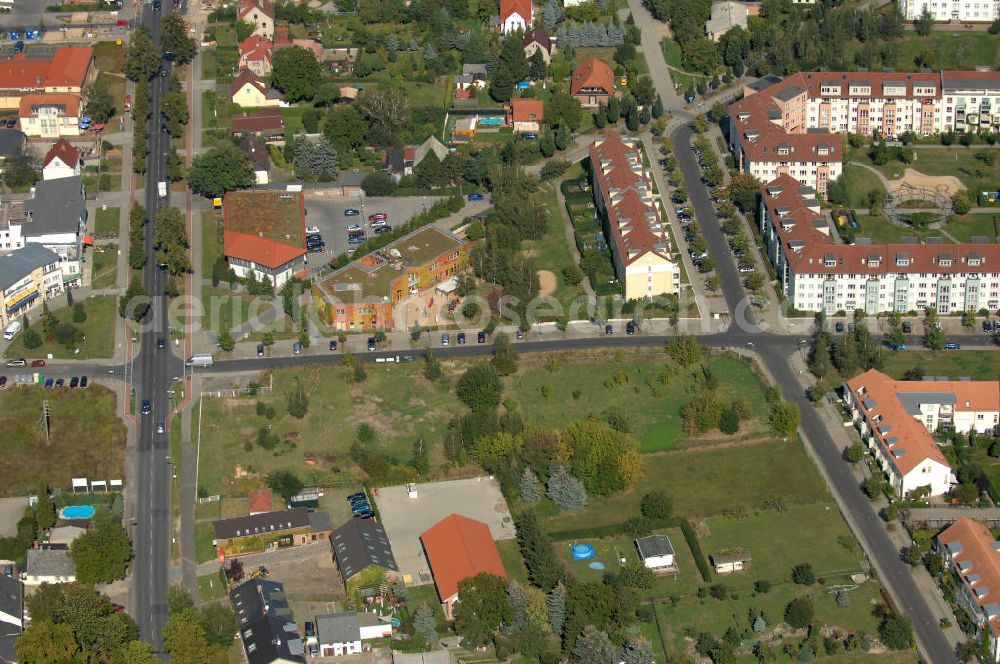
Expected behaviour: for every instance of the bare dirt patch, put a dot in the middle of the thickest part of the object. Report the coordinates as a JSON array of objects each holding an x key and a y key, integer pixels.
[
  {"x": 547, "y": 282},
  {"x": 947, "y": 185}
]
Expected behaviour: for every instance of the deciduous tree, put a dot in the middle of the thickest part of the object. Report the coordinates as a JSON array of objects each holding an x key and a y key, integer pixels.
[
  {"x": 296, "y": 73},
  {"x": 222, "y": 169},
  {"x": 102, "y": 555}
]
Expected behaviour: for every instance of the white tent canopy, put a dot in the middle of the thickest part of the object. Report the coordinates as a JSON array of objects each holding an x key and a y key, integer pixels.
[{"x": 448, "y": 286}]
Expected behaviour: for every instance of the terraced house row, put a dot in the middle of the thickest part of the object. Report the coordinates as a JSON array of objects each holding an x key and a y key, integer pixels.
[
  {"x": 792, "y": 126},
  {"x": 818, "y": 275}
]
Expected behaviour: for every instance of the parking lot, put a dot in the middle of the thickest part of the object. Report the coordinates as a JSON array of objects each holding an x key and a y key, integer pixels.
[
  {"x": 405, "y": 518},
  {"x": 26, "y": 14},
  {"x": 327, "y": 214}
]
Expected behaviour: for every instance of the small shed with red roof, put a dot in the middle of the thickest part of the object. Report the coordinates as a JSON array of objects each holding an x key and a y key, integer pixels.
[{"x": 260, "y": 501}]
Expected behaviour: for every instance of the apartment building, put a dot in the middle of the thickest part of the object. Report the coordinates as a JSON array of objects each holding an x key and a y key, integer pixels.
[
  {"x": 28, "y": 276},
  {"x": 637, "y": 235},
  {"x": 66, "y": 70},
  {"x": 792, "y": 127},
  {"x": 973, "y": 555},
  {"x": 818, "y": 275},
  {"x": 965, "y": 11}
]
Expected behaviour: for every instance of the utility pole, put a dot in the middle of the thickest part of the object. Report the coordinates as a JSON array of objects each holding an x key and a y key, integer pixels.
[{"x": 46, "y": 422}]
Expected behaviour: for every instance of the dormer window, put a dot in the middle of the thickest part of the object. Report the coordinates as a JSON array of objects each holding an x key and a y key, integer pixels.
[{"x": 902, "y": 260}]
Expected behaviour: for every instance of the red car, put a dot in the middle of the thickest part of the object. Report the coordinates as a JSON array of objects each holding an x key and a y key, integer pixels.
[
  {"x": 378, "y": 215},
  {"x": 37, "y": 364}
]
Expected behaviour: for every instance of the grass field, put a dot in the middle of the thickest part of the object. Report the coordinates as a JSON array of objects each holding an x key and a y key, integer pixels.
[
  {"x": 203, "y": 536},
  {"x": 104, "y": 266},
  {"x": 708, "y": 481},
  {"x": 107, "y": 220},
  {"x": 210, "y": 588},
  {"x": 976, "y": 364},
  {"x": 957, "y": 160},
  {"x": 858, "y": 182},
  {"x": 510, "y": 556},
  {"x": 98, "y": 330},
  {"x": 952, "y": 50},
  {"x": 397, "y": 401},
  {"x": 983, "y": 225},
  {"x": 86, "y": 439},
  {"x": 552, "y": 252},
  {"x": 882, "y": 232},
  {"x": 652, "y": 409}
]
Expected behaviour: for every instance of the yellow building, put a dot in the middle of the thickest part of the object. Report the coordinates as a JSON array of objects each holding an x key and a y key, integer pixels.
[
  {"x": 28, "y": 276},
  {"x": 637, "y": 235},
  {"x": 249, "y": 91}
]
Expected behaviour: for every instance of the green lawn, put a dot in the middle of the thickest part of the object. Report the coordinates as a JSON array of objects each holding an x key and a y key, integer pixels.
[
  {"x": 708, "y": 481},
  {"x": 672, "y": 54},
  {"x": 510, "y": 556},
  {"x": 976, "y": 364},
  {"x": 107, "y": 220},
  {"x": 652, "y": 408},
  {"x": 105, "y": 266},
  {"x": 965, "y": 227},
  {"x": 552, "y": 253},
  {"x": 210, "y": 587},
  {"x": 396, "y": 400},
  {"x": 98, "y": 330},
  {"x": 86, "y": 438},
  {"x": 882, "y": 232},
  {"x": 957, "y": 160},
  {"x": 208, "y": 63},
  {"x": 203, "y": 536},
  {"x": 858, "y": 182},
  {"x": 952, "y": 50}
]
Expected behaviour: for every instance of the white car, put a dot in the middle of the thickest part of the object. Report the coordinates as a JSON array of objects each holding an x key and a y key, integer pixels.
[
  {"x": 353, "y": 227},
  {"x": 379, "y": 222},
  {"x": 312, "y": 229}
]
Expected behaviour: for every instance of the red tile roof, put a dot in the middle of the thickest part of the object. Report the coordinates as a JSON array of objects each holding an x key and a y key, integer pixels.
[
  {"x": 521, "y": 7},
  {"x": 763, "y": 140},
  {"x": 593, "y": 74},
  {"x": 264, "y": 227},
  {"x": 66, "y": 153},
  {"x": 256, "y": 48},
  {"x": 247, "y": 76},
  {"x": 810, "y": 251},
  {"x": 459, "y": 548},
  {"x": 68, "y": 102},
  {"x": 244, "y": 7},
  {"x": 977, "y": 555},
  {"x": 265, "y": 121},
  {"x": 527, "y": 110},
  {"x": 281, "y": 37},
  {"x": 260, "y": 500},
  {"x": 628, "y": 194},
  {"x": 68, "y": 67}
]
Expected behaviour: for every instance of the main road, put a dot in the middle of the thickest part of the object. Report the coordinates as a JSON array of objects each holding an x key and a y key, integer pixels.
[{"x": 153, "y": 370}]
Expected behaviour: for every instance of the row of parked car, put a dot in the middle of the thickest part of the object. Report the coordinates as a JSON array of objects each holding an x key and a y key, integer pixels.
[{"x": 360, "y": 507}]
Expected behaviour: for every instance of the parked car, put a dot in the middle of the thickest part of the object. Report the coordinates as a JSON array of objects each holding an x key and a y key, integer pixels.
[
  {"x": 160, "y": 427},
  {"x": 530, "y": 136},
  {"x": 481, "y": 337},
  {"x": 474, "y": 196},
  {"x": 313, "y": 229},
  {"x": 11, "y": 122},
  {"x": 333, "y": 345},
  {"x": 297, "y": 348},
  {"x": 907, "y": 328},
  {"x": 378, "y": 230},
  {"x": 371, "y": 344},
  {"x": 519, "y": 333},
  {"x": 952, "y": 346},
  {"x": 74, "y": 382},
  {"x": 445, "y": 339},
  {"x": 987, "y": 326},
  {"x": 609, "y": 330},
  {"x": 160, "y": 343},
  {"x": 310, "y": 628},
  {"x": 60, "y": 382},
  {"x": 314, "y": 237},
  {"x": 355, "y": 240},
  {"x": 630, "y": 328},
  {"x": 377, "y": 216},
  {"x": 899, "y": 347},
  {"x": 37, "y": 363},
  {"x": 351, "y": 212},
  {"x": 83, "y": 381},
  {"x": 147, "y": 407},
  {"x": 461, "y": 338},
  {"x": 353, "y": 228},
  {"x": 838, "y": 327},
  {"x": 260, "y": 350},
  {"x": 17, "y": 363},
  {"x": 3, "y": 382},
  {"x": 354, "y": 496},
  {"x": 746, "y": 270},
  {"x": 379, "y": 222},
  {"x": 48, "y": 383}
]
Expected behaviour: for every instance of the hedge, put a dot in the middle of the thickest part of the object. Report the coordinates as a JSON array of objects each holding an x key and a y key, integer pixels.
[
  {"x": 612, "y": 530},
  {"x": 695, "y": 546}
]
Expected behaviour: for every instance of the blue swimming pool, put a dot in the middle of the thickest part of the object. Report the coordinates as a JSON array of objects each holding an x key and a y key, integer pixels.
[
  {"x": 491, "y": 122},
  {"x": 78, "y": 512}
]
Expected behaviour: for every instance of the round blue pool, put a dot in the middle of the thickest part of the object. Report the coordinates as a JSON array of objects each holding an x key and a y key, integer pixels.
[
  {"x": 582, "y": 551},
  {"x": 78, "y": 512},
  {"x": 597, "y": 564}
]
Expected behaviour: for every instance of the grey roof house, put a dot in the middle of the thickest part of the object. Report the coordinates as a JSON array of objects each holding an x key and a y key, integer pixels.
[
  {"x": 11, "y": 616},
  {"x": 56, "y": 218},
  {"x": 267, "y": 630},
  {"x": 360, "y": 545},
  {"x": 20, "y": 263},
  {"x": 49, "y": 566}
]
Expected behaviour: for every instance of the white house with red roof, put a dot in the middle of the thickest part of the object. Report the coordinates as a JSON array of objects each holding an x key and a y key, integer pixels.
[
  {"x": 636, "y": 234},
  {"x": 264, "y": 234},
  {"x": 515, "y": 15},
  {"x": 258, "y": 12},
  {"x": 972, "y": 554},
  {"x": 255, "y": 55},
  {"x": 50, "y": 115},
  {"x": 817, "y": 274},
  {"x": 62, "y": 161}
]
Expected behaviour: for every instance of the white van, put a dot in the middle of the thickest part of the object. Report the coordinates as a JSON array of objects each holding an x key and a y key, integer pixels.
[{"x": 12, "y": 330}]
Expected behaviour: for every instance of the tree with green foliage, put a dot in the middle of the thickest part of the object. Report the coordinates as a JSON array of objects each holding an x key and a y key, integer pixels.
[
  {"x": 555, "y": 602},
  {"x": 178, "y": 599},
  {"x": 504, "y": 358},
  {"x": 592, "y": 647},
  {"x": 102, "y": 554},
  {"x": 45, "y": 510},
  {"x": 729, "y": 422},
  {"x": 142, "y": 56},
  {"x": 657, "y": 504},
  {"x": 480, "y": 387},
  {"x": 784, "y": 418},
  {"x": 100, "y": 104},
  {"x": 226, "y": 341},
  {"x": 799, "y": 612},
  {"x": 483, "y": 608},
  {"x": 685, "y": 350},
  {"x": 284, "y": 483},
  {"x": 925, "y": 22},
  {"x": 530, "y": 487},
  {"x": 378, "y": 184},
  {"x": 544, "y": 569},
  {"x": 45, "y": 641},
  {"x": 803, "y": 574},
  {"x": 296, "y": 73},
  {"x": 315, "y": 159},
  {"x": 345, "y": 128},
  {"x": 512, "y": 67},
  {"x": 566, "y": 491},
  {"x": 222, "y": 169},
  {"x": 896, "y": 632},
  {"x": 185, "y": 639},
  {"x": 425, "y": 624},
  {"x": 175, "y": 38},
  {"x": 636, "y": 650}
]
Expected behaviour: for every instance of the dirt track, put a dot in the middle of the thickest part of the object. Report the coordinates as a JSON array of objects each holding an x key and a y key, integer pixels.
[{"x": 949, "y": 185}]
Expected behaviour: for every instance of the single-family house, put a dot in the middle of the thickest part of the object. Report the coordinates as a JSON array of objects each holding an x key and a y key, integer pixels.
[
  {"x": 249, "y": 91},
  {"x": 593, "y": 83},
  {"x": 267, "y": 631},
  {"x": 431, "y": 145},
  {"x": 343, "y": 633},
  {"x": 255, "y": 55},
  {"x": 282, "y": 40},
  {"x": 459, "y": 548},
  {"x": 12, "y": 615},
  {"x": 363, "y": 555},
  {"x": 515, "y": 15},
  {"x": 657, "y": 553},
  {"x": 28, "y": 276},
  {"x": 255, "y": 532},
  {"x": 260, "y": 160},
  {"x": 728, "y": 562},
  {"x": 525, "y": 115},
  {"x": 259, "y": 501},
  {"x": 398, "y": 162},
  {"x": 61, "y": 161},
  {"x": 50, "y": 115},
  {"x": 264, "y": 234},
  {"x": 266, "y": 123},
  {"x": 727, "y": 15},
  {"x": 49, "y": 566},
  {"x": 258, "y": 12},
  {"x": 537, "y": 39},
  {"x": 973, "y": 555}
]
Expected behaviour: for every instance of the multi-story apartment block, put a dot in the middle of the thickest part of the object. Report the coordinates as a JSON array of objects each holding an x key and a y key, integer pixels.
[
  {"x": 637, "y": 235},
  {"x": 971, "y": 553},
  {"x": 895, "y": 419},
  {"x": 791, "y": 127},
  {"x": 951, "y": 10},
  {"x": 818, "y": 275},
  {"x": 28, "y": 276}
]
